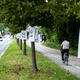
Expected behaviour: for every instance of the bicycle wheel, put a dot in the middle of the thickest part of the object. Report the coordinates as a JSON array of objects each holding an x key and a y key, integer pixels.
[
  {"x": 67, "y": 60},
  {"x": 64, "y": 58}
]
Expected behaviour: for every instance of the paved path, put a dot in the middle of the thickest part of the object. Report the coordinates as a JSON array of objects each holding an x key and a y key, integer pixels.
[{"x": 55, "y": 56}]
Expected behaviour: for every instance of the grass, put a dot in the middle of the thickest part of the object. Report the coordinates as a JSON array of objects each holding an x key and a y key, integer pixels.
[
  {"x": 15, "y": 66},
  {"x": 57, "y": 46}
]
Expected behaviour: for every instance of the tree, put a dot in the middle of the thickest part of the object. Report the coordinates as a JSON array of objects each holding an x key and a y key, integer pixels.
[{"x": 66, "y": 21}]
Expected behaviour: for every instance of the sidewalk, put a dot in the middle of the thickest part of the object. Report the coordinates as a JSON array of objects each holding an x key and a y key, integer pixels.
[{"x": 55, "y": 56}]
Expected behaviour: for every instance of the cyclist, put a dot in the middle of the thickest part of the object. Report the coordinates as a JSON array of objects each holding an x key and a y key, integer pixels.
[{"x": 65, "y": 48}]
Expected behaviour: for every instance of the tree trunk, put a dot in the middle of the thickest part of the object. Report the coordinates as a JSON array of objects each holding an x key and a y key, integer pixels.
[
  {"x": 18, "y": 41},
  {"x": 21, "y": 44},
  {"x": 24, "y": 50},
  {"x": 34, "y": 66}
]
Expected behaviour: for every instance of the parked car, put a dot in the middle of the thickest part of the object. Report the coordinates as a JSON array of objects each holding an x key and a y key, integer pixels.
[{"x": 1, "y": 39}]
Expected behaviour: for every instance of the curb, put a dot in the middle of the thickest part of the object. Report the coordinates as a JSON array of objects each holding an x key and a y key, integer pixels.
[{"x": 4, "y": 51}]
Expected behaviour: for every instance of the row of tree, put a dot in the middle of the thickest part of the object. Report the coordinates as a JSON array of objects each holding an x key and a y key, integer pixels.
[
  {"x": 18, "y": 14},
  {"x": 59, "y": 18}
]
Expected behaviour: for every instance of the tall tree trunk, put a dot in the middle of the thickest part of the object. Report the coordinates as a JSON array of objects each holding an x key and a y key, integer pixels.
[
  {"x": 18, "y": 41},
  {"x": 24, "y": 50},
  {"x": 21, "y": 44},
  {"x": 34, "y": 66}
]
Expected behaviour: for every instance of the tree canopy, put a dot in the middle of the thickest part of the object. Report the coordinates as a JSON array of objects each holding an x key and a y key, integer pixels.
[{"x": 62, "y": 16}]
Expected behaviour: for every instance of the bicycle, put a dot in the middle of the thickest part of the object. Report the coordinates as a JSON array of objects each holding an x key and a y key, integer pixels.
[{"x": 66, "y": 56}]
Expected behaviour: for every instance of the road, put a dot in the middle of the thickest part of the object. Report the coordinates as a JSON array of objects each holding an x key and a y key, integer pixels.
[
  {"x": 3, "y": 44},
  {"x": 55, "y": 56}
]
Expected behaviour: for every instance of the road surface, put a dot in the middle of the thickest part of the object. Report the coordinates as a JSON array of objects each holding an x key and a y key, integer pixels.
[{"x": 4, "y": 44}]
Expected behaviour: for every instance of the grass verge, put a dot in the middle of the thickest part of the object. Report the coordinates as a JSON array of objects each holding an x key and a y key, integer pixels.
[
  {"x": 15, "y": 66},
  {"x": 57, "y": 46}
]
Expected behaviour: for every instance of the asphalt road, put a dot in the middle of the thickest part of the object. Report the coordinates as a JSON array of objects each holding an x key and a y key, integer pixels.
[
  {"x": 3, "y": 44},
  {"x": 55, "y": 56}
]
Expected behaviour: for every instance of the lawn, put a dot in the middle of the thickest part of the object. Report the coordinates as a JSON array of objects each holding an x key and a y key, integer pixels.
[{"x": 15, "y": 66}]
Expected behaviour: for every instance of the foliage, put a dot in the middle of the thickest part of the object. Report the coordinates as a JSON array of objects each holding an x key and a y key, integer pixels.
[
  {"x": 66, "y": 22},
  {"x": 63, "y": 16},
  {"x": 21, "y": 13},
  {"x": 69, "y": 31}
]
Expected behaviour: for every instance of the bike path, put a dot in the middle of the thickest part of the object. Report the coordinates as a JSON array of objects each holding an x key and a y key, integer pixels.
[{"x": 55, "y": 56}]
